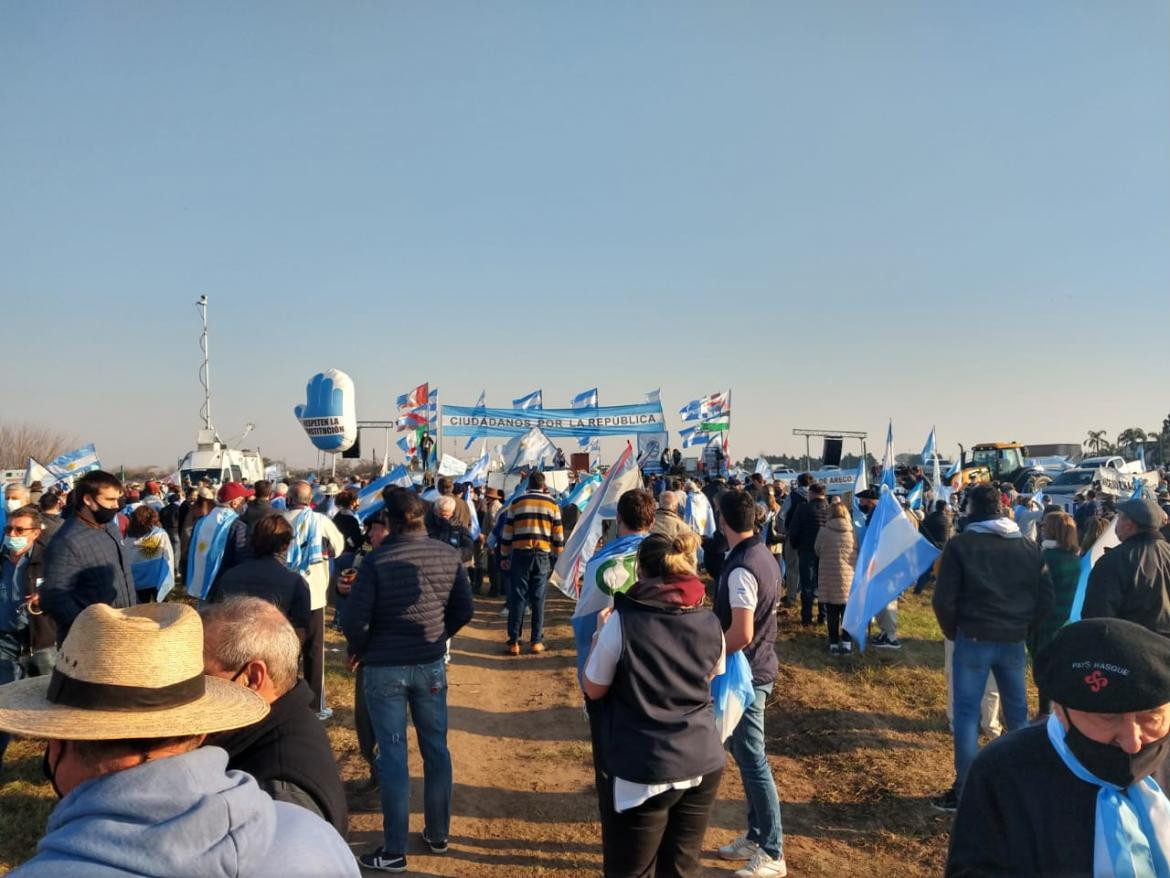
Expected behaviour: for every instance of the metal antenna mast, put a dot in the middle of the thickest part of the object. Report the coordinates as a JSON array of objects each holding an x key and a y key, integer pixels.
[{"x": 205, "y": 367}]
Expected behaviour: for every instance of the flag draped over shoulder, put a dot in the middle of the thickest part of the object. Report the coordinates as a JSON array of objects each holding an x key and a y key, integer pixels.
[
  {"x": 152, "y": 562},
  {"x": 306, "y": 548},
  {"x": 579, "y": 548},
  {"x": 208, "y": 542},
  {"x": 893, "y": 555}
]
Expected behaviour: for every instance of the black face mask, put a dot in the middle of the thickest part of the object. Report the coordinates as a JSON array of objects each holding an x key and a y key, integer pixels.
[
  {"x": 1112, "y": 764},
  {"x": 102, "y": 515},
  {"x": 50, "y": 771}
]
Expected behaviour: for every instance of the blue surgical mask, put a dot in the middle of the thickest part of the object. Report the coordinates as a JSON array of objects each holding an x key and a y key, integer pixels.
[{"x": 15, "y": 544}]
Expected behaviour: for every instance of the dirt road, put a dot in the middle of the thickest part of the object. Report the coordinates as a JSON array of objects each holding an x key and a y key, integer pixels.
[{"x": 524, "y": 802}]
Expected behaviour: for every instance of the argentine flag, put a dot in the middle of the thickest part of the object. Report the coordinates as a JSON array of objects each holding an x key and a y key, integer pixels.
[
  {"x": 526, "y": 450},
  {"x": 369, "y": 498},
  {"x": 764, "y": 468},
  {"x": 893, "y": 555},
  {"x": 74, "y": 463},
  {"x": 586, "y": 399},
  {"x": 860, "y": 483},
  {"x": 208, "y": 543},
  {"x": 582, "y": 491},
  {"x": 477, "y": 473},
  {"x": 694, "y": 436},
  {"x": 929, "y": 449},
  {"x": 533, "y": 400},
  {"x": 914, "y": 498},
  {"x": 480, "y": 403},
  {"x": 888, "y": 478}
]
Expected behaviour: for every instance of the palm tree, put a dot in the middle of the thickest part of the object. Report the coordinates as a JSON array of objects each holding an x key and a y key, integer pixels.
[
  {"x": 1095, "y": 441},
  {"x": 1130, "y": 438},
  {"x": 1154, "y": 448}
]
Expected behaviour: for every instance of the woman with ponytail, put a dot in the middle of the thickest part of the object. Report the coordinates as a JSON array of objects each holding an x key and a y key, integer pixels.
[{"x": 649, "y": 669}]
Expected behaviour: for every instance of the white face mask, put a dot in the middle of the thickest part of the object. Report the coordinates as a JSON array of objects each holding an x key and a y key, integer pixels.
[{"x": 12, "y": 505}]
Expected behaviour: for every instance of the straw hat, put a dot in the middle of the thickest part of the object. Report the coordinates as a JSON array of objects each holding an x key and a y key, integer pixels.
[{"x": 134, "y": 673}]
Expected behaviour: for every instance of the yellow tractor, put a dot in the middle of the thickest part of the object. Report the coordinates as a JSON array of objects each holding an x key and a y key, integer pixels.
[{"x": 999, "y": 462}]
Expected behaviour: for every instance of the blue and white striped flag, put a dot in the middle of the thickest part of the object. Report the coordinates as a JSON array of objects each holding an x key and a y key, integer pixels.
[
  {"x": 888, "y": 478},
  {"x": 694, "y": 436},
  {"x": 893, "y": 555},
  {"x": 74, "y": 463},
  {"x": 480, "y": 403},
  {"x": 477, "y": 472},
  {"x": 370, "y": 497},
  {"x": 586, "y": 399},
  {"x": 930, "y": 449},
  {"x": 764, "y": 468},
  {"x": 208, "y": 543},
  {"x": 582, "y": 491},
  {"x": 534, "y": 400},
  {"x": 473, "y": 530},
  {"x": 692, "y": 410},
  {"x": 654, "y": 395},
  {"x": 860, "y": 483},
  {"x": 914, "y": 498}
]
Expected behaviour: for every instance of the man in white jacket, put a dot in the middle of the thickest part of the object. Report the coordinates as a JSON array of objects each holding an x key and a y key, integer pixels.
[{"x": 316, "y": 540}]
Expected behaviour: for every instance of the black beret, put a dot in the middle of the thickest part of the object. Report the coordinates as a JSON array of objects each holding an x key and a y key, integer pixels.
[
  {"x": 1105, "y": 666},
  {"x": 867, "y": 494}
]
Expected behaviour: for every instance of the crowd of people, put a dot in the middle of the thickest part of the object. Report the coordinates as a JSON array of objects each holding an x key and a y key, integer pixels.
[{"x": 169, "y": 644}]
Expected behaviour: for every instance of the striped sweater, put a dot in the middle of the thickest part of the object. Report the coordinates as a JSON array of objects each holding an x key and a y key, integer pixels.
[{"x": 533, "y": 523}]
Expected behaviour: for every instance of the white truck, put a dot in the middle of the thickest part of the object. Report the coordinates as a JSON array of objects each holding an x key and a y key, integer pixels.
[{"x": 214, "y": 462}]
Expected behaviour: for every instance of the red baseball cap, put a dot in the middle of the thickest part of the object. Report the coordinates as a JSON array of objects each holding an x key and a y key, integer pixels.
[{"x": 230, "y": 491}]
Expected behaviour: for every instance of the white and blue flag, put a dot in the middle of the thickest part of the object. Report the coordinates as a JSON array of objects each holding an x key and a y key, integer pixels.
[
  {"x": 654, "y": 395},
  {"x": 369, "y": 498},
  {"x": 692, "y": 411},
  {"x": 582, "y": 491},
  {"x": 860, "y": 483},
  {"x": 915, "y": 497},
  {"x": 893, "y": 555},
  {"x": 208, "y": 543},
  {"x": 480, "y": 403},
  {"x": 473, "y": 530},
  {"x": 888, "y": 477},
  {"x": 526, "y": 450},
  {"x": 534, "y": 400},
  {"x": 586, "y": 399},
  {"x": 930, "y": 449},
  {"x": 582, "y": 542},
  {"x": 477, "y": 472},
  {"x": 71, "y": 464},
  {"x": 764, "y": 468},
  {"x": 694, "y": 436}
]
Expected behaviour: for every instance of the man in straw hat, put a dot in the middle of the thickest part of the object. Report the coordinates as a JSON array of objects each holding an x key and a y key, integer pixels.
[
  {"x": 1074, "y": 796},
  {"x": 126, "y": 711}
]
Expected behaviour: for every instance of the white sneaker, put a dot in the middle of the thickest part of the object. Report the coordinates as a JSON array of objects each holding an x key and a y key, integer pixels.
[
  {"x": 740, "y": 849},
  {"x": 763, "y": 866}
]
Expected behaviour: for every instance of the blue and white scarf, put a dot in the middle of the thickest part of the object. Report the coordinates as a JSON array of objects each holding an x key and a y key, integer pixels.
[
  {"x": 306, "y": 548},
  {"x": 1132, "y": 833},
  {"x": 208, "y": 542}
]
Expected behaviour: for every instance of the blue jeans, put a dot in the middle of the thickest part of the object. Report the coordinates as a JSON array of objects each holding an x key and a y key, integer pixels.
[
  {"x": 973, "y": 659},
  {"x": 389, "y": 689},
  {"x": 763, "y": 804},
  {"x": 10, "y": 670},
  {"x": 529, "y": 579}
]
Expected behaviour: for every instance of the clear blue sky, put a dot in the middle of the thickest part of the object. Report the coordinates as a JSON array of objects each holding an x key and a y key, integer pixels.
[{"x": 951, "y": 213}]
